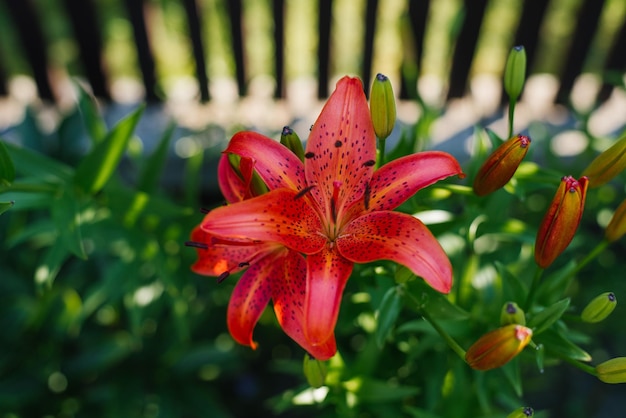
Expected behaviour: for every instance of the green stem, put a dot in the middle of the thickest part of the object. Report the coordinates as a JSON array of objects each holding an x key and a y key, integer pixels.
[
  {"x": 381, "y": 151},
  {"x": 593, "y": 254},
  {"x": 533, "y": 289},
  {"x": 582, "y": 366},
  {"x": 442, "y": 332},
  {"x": 511, "y": 114}
]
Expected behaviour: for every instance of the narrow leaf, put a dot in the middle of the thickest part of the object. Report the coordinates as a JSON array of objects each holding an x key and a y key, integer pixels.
[
  {"x": 388, "y": 312},
  {"x": 98, "y": 166},
  {"x": 33, "y": 164},
  {"x": 7, "y": 170},
  {"x": 4, "y": 206},
  {"x": 544, "y": 319},
  {"x": 48, "y": 270},
  {"x": 556, "y": 343},
  {"x": 154, "y": 165},
  {"x": 96, "y": 128},
  {"x": 66, "y": 217}
]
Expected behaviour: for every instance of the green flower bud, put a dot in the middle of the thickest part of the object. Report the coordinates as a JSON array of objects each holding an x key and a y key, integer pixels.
[
  {"x": 523, "y": 412},
  {"x": 599, "y": 308},
  {"x": 382, "y": 106},
  {"x": 608, "y": 164},
  {"x": 617, "y": 226},
  {"x": 515, "y": 72},
  {"x": 612, "y": 371},
  {"x": 315, "y": 371},
  {"x": 292, "y": 141},
  {"x": 512, "y": 314}
]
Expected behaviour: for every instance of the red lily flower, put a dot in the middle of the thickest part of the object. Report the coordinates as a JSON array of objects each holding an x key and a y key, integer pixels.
[{"x": 333, "y": 208}]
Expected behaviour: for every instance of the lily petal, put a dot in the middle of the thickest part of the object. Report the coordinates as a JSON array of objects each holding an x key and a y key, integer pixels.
[
  {"x": 341, "y": 149},
  {"x": 401, "y": 238},
  {"x": 287, "y": 294},
  {"x": 250, "y": 297},
  {"x": 400, "y": 179},
  {"x": 275, "y": 163},
  {"x": 327, "y": 275},
  {"x": 280, "y": 216},
  {"x": 233, "y": 188}
]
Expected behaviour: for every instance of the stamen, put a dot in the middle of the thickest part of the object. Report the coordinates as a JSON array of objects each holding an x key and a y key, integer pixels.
[
  {"x": 196, "y": 244},
  {"x": 303, "y": 192},
  {"x": 366, "y": 196},
  {"x": 223, "y": 276},
  {"x": 309, "y": 155},
  {"x": 204, "y": 210},
  {"x": 333, "y": 200},
  {"x": 244, "y": 264}
]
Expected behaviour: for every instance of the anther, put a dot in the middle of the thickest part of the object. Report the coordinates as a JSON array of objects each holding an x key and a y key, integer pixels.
[
  {"x": 366, "y": 196},
  {"x": 244, "y": 264},
  {"x": 303, "y": 192},
  {"x": 204, "y": 210},
  {"x": 369, "y": 163},
  {"x": 196, "y": 244},
  {"x": 309, "y": 155},
  {"x": 223, "y": 276}
]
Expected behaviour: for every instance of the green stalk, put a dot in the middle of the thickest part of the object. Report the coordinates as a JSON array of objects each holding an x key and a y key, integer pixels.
[
  {"x": 381, "y": 151},
  {"x": 511, "y": 114},
  {"x": 533, "y": 289}
]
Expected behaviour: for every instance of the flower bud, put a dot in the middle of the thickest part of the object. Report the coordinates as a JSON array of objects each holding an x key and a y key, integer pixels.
[
  {"x": 512, "y": 314},
  {"x": 617, "y": 226},
  {"x": 608, "y": 164},
  {"x": 561, "y": 220},
  {"x": 523, "y": 412},
  {"x": 292, "y": 141},
  {"x": 515, "y": 72},
  {"x": 599, "y": 308},
  {"x": 612, "y": 371},
  {"x": 315, "y": 371},
  {"x": 382, "y": 106},
  {"x": 498, "y": 169},
  {"x": 498, "y": 347}
]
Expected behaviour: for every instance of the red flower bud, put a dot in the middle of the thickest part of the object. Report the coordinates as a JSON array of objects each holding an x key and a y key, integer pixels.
[
  {"x": 561, "y": 220},
  {"x": 501, "y": 165},
  {"x": 498, "y": 347}
]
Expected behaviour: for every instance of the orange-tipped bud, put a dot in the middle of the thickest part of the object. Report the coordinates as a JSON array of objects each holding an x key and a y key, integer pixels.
[
  {"x": 501, "y": 165},
  {"x": 561, "y": 220},
  {"x": 617, "y": 226},
  {"x": 498, "y": 347},
  {"x": 608, "y": 164}
]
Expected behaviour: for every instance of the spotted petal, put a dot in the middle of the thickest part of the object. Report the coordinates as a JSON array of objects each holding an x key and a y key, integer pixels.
[
  {"x": 251, "y": 295},
  {"x": 275, "y": 163},
  {"x": 288, "y": 294},
  {"x": 222, "y": 257},
  {"x": 279, "y": 216},
  {"x": 341, "y": 148},
  {"x": 233, "y": 187},
  {"x": 327, "y": 274},
  {"x": 400, "y": 179},
  {"x": 401, "y": 238}
]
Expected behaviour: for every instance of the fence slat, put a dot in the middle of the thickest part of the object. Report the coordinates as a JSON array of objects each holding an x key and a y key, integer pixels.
[
  {"x": 466, "y": 47},
  {"x": 82, "y": 16},
  {"x": 33, "y": 44},
  {"x": 616, "y": 61},
  {"x": 527, "y": 33},
  {"x": 588, "y": 21},
  {"x": 195, "y": 34},
  {"x": 279, "y": 47},
  {"x": 323, "y": 47},
  {"x": 368, "y": 47},
  {"x": 144, "y": 53},
  {"x": 235, "y": 16},
  {"x": 418, "y": 14}
]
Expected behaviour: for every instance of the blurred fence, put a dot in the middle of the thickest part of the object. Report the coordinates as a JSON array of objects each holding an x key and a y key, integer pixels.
[{"x": 587, "y": 44}]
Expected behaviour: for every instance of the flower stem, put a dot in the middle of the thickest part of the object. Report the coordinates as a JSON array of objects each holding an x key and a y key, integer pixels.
[
  {"x": 582, "y": 366},
  {"x": 426, "y": 315},
  {"x": 593, "y": 254},
  {"x": 533, "y": 289},
  {"x": 381, "y": 151},
  {"x": 511, "y": 115}
]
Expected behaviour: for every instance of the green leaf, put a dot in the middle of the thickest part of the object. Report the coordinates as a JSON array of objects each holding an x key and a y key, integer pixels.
[
  {"x": 437, "y": 304},
  {"x": 96, "y": 128},
  {"x": 98, "y": 166},
  {"x": 7, "y": 170},
  {"x": 556, "y": 343},
  {"x": 4, "y": 206},
  {"x": 33, "y": 164},
  {"x": 548, "y": 316},
  {"x": 388, "y": 312},
  {"x": 66, "y": 217},
  {"x": 52, "y": 262},
  {"x": 368, "y": 390},
  {"x": 513, "y": 374},
  {"x": 154, "y": 165}
]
